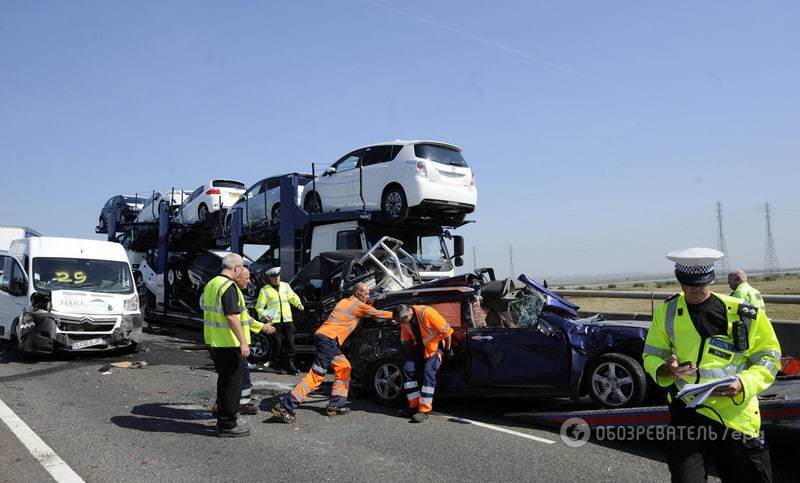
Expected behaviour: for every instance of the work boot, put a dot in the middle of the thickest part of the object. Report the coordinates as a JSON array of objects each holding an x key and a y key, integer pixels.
[
  {"x": 248, "y": 409},
  {"x": 291, "y": 369},
  {"x": 283, "y": 414},
  {"x": 334, "y": 411},
  {"x": 214, "y": 410},
  {"x": 406, "y": 412},
  {"x": 235, "y": 432},
  {"x": 419, "y": 417}
]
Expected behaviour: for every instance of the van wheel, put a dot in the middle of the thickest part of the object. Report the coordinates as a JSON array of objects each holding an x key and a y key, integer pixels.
[
  {"x": 393, "y": 202},
  {"x": 616, "y": 380},
  {"x": 313, "y": 203},
  {"x": 276, "y": 213},
  {"x": 386, "y": 382},
  {"x": 202, "y": 213}
]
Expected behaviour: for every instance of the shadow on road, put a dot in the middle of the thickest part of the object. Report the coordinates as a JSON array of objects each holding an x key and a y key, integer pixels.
[{"x": 167, "y": 418}]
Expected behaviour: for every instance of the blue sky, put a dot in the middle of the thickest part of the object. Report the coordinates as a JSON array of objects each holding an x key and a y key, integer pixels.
[{"x": 601, "y": 133}]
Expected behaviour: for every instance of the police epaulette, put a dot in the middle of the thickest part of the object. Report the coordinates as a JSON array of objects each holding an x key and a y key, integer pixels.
[
  {"x": 672, "y": 297},
  {"x": 747, "y": 310}
]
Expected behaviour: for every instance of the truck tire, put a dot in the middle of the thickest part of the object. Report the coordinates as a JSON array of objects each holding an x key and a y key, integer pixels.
[
  {"x": 386, "y": 382},
  {"x": 616, "y": 380}
]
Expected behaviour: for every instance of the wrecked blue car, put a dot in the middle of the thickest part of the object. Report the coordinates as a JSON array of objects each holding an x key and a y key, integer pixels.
[{"x": 513, "y": 338}]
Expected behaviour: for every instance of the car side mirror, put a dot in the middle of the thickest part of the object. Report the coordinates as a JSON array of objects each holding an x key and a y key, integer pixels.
[
  {"x": 458, "y": 261},
  {"x": 458, "y": 246},
  {"x": 545, "y": 328},
  {"x": 329, "y": 171}
]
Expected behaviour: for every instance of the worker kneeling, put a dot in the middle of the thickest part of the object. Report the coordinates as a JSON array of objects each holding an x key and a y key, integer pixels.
[
  {"x": 328, "y": 339},
  {"x": 422, "y": 331}
]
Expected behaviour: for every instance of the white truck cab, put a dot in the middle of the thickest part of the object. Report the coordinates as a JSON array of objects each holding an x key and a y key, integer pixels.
[
  {"x": 430, "y": 250},
  {"x": 68, "y": 294},
  {"x": 11, "y": 233}
]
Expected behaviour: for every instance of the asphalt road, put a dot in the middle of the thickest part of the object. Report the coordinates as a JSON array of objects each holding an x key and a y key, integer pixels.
[{"x": 153, "y": 424}]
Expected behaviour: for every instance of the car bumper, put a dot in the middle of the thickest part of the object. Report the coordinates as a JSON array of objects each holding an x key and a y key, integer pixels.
[
  {"x": 437, "y": 196},
  {"x": 40, "y": 334}
]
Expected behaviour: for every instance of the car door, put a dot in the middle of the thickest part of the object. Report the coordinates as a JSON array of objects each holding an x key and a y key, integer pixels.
[
  {"x": 339, "y": 190},
  {"x": 189, "y": 207},
  {"x": 374, "y": 172},
  {"x": 11, "y": 304},
  {"x": 518, "y": 360},
  {"x": 270, "y": 194},
  {"x": 249, "y": 197}
]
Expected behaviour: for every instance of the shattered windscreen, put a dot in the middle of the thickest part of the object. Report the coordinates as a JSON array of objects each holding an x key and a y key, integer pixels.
[{"x": 525, "y": 311}]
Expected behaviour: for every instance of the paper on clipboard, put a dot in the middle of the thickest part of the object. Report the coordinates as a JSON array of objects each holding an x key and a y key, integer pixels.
[
  {"x": 271, "y": 314},
  {"x": 702, "y": 391}
]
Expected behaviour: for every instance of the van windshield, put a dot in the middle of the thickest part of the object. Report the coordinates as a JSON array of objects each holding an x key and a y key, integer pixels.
[{"x": 104, "y": 276}]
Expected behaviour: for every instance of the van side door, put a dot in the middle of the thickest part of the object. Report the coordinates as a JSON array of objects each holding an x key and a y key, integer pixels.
[{"x": 13, "y": 293}]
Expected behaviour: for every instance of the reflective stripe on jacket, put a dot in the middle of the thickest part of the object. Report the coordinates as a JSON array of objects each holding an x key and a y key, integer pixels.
[
  {"x": 216, "y": 329},
  {"x": 432, "y": 327},
  {"x": 277, "y": 304},
  {"x": 749, "y": 294},
  {"x": 343, "y": 319},
  {"x": 672, "y": 332}
]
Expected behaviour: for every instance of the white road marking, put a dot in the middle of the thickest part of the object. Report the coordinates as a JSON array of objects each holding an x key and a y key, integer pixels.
[
  {"x": 495, "y": 428},
  {"x": 49, "y": 460}
]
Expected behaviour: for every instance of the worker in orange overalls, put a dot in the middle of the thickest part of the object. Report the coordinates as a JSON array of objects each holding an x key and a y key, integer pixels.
[
  {"x": 423, "y": 330},
  {"x": 328, "y": 339}
]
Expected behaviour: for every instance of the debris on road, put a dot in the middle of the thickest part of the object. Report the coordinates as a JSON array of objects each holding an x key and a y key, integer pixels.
[{"x": 130, "y": 364}]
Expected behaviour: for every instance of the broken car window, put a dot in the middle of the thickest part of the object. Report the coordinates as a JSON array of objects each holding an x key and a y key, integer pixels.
[{"x": 525, "y": 311}]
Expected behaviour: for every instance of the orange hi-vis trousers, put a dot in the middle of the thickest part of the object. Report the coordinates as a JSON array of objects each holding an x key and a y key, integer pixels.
[{"x": 328, "y": 354}]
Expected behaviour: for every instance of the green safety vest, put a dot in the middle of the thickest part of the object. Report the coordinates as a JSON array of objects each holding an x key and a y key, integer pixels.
[
  {"x": 276, "y": 303},
  {"x": 746, "y": 292},
  {"x": 216, "y": 329},
  {"x": 672, "y": 332}
]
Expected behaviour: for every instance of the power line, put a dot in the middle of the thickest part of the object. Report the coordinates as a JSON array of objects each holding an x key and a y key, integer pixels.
[
  {"x": 770, "y": 255},
  {"x": 722, "y": 264}
]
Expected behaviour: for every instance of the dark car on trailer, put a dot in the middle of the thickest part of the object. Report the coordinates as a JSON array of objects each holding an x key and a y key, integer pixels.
[
  {"x": 513, "y": 338},
  {"x": 124, "y": 207}
]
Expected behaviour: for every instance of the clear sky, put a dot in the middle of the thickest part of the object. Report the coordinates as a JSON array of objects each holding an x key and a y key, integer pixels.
[{"x": 601, "y": 133}]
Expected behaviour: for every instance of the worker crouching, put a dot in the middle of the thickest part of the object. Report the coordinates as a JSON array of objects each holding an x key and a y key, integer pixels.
[{"x": 423, "y": 331}]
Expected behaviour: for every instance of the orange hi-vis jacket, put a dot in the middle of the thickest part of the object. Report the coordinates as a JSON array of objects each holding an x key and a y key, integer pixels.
[
  {"x": 344, "y": 318},
  {"x": 432, "y": 327}
]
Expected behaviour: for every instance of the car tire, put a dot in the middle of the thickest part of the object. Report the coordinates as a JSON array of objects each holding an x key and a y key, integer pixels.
[
  {"x": 616, "y": 380},
  {"x": 276, "y": 213},
  {"x": 260, "y": 348},
  {"x": 102, "y": 225},
  {"x": 202, "y": 213},
  {"x": 393, "y": 202},
  {"x": 386, "y": 382},
  {"x": 313, "y": 203}
]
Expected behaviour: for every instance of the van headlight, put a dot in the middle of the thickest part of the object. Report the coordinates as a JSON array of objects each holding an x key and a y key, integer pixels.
[{"x": 131, "y": 304}]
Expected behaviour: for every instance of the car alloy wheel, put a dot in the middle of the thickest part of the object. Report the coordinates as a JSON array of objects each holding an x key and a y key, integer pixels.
[
  {"x": 612, "y": 384},
  {"x": 388, "y": 381},
  {"x": 259, "y": 349},
  {"x": 202, "y": 213},
  {"x": 313, "y": 203},
  {"x": 394, "y": 203},
  {"x": 276, "y": 213},
  {"x": 102, "y": 223}
]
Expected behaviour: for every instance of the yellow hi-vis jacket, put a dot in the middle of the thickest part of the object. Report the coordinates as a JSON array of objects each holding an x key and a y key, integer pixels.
[
  {"x": 746, "y": 292},
  {"x": 216, "y": 329},
  {"x": 673, "y": 332},
  {"x": 276, "y": 303}
]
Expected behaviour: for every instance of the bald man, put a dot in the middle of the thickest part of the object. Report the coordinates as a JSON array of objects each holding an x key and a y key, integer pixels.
[
  {"x": 328, "y": 340},
  {"x": 737, "y": 281}
]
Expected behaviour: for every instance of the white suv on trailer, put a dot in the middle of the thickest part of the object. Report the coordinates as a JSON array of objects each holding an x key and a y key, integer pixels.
[{"x": 398, "y": 178}]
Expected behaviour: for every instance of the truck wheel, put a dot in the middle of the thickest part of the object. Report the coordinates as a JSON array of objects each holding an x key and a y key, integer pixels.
[
  {"x": 313, "y": 203},
  {"x": 616, "y": 380},
  {"x": 386, "y": 382},
  {"x": 393, "y": 202}
]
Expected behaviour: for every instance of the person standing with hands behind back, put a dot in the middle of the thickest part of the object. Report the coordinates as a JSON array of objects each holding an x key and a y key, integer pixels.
[{"x": 226, "y": 332}]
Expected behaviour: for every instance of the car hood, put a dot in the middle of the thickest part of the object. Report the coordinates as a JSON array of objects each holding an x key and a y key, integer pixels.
[{"x": 552, "y": 299}]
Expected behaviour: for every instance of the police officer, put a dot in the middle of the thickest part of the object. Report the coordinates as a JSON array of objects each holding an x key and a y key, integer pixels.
[
  {"x": 737, "y": 281},
  {"x": 226, "y": 333},
  {"x": 696, "y": 337},
  {"x": 274, "y": 306}
]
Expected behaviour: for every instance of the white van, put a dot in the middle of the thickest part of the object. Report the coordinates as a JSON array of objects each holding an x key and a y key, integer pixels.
[
  {"x": 11, "y": 233},
  {"x": 68, "y": 294}
]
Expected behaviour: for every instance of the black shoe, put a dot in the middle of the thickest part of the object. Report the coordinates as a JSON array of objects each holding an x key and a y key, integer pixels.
[
  {"x": 235, "y": 432},
  {"x": 406, "y": 412},
  {"x": 419, "y": 417},
  {"x": 283, "y": 414},
  {"x": 291, "y": 369},
  {"x": 248, "y": 409},
  {"x": 337, "y": 411}
]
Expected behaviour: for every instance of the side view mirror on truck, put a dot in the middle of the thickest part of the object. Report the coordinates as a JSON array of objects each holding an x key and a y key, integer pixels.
[{"x": 458, "y": 247}]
